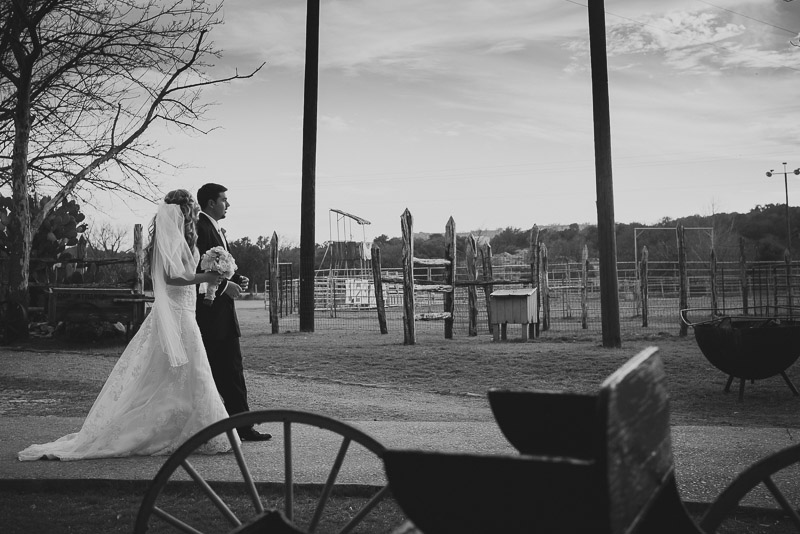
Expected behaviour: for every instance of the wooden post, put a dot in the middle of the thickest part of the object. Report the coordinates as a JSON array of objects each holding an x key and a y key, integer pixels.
[
  {"x": 584, "y": 287},
  {"x": 545, "y": 287},
  {"x": 407, "y": 226},
  {"x": 273, "y": 283},
  {"x": 138, "y": 281},
  {"x": 775, "y": 300},
  {"x": 378, "y": 283},
  {"x": 743, "y": 277},
  {"x": 138, "y": 259},
  {"x": 534, "y": 248},
  {"x": 643, "y": 285},
  {"x": 787, "y": 258},
  {"x": 450, "y": 276},
  {"x": 606, "y": 230},
  {"x": 486, "y": 264},
  {"x": 472, "y": 276},
  {"x": 684, "y": 281},
  {"x": 714, "y": 304}
]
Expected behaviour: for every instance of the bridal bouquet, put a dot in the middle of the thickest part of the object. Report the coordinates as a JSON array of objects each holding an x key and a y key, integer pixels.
[{"x": 219, "y": 260}]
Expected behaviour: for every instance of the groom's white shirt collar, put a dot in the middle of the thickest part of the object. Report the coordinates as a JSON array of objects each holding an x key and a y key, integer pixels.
[{"x": 217, "y": 227}]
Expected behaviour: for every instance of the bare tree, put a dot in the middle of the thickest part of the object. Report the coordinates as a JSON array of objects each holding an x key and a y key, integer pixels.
[
  {"x": 106, "y": 240},
  {"x": 81, "y": 82}
]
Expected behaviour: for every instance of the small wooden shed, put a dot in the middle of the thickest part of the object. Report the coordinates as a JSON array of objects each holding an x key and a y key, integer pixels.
[{"x": 515, "y": 306}]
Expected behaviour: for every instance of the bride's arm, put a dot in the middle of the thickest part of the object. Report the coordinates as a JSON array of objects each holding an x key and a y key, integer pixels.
[{"x": 197, "y": 278}]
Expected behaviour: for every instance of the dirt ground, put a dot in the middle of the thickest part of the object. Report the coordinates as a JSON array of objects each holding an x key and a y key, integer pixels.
[{"x": 368, "y": 376}]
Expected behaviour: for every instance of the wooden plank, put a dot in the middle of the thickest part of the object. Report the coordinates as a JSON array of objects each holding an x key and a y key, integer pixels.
[
  {"x": 638, "y": 444},
  {"x": 432, "y": 262},
  {"x": 432, "y": 316},
  {"x": 438, "y": 288}
]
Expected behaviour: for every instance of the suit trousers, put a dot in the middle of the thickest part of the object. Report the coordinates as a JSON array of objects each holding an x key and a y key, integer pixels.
[{"x": 225, "y": 358}]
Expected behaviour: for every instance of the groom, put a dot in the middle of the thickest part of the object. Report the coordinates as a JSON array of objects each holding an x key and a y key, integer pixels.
[{"x": 218, "y": 323}]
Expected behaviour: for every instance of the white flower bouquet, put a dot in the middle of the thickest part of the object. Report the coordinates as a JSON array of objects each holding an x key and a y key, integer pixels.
[{"x": 219, "y": 260}]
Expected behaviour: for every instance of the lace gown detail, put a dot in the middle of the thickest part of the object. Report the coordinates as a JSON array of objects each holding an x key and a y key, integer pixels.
[{"x": 147, "y": 406}]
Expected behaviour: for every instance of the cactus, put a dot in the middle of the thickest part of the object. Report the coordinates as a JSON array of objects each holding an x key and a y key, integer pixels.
[{"x": 60, "y": 228}]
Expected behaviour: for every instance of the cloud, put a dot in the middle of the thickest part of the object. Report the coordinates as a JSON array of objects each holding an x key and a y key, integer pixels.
[{"x": 335, "y": 124}]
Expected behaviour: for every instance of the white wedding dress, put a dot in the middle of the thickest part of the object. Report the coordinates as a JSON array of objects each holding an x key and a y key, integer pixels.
[{"x": 150, "y": 404}]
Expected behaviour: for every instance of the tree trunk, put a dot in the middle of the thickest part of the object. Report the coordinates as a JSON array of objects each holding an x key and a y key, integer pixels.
[{"x": 20, "y": 227}]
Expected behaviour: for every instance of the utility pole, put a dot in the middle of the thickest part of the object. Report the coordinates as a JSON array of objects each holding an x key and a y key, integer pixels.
[
  {"x": 786, "y": 188},
  {"x": 607, "y": 237},
  {"x": 308, "y": 190}
]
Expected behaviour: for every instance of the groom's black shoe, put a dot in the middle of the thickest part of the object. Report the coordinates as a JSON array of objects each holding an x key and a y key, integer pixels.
[{"x": 251, "y": 434}]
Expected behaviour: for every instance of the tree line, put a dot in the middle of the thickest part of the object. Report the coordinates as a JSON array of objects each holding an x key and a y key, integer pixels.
[{"x": 762, "y": 231}]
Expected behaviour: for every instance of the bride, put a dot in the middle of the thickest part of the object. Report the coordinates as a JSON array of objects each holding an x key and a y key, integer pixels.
[{"x": 161, "y": 391}]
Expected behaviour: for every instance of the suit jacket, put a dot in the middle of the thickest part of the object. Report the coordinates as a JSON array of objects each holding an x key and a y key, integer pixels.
[{"x": 219, "y": 320}]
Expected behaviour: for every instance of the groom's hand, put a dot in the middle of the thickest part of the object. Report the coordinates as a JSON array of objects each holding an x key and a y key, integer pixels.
[
  {"x": 244, "y": 283},
  {"x": 233, "y": 290}
]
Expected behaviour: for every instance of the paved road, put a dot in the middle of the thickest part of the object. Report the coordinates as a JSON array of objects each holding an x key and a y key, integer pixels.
[{"x": 706, "y": 458}]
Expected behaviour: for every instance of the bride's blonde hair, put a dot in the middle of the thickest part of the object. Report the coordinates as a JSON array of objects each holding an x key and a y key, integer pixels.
[{"x": 190, "y": 211}]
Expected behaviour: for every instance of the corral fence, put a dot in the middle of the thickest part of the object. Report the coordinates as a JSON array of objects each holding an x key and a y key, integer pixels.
[
  {"x": 651, "y": 294},
  {"x": 345, "y": 299}
]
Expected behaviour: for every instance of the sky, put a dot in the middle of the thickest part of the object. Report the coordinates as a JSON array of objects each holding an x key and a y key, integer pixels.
[{"x": 482, "y": 110}]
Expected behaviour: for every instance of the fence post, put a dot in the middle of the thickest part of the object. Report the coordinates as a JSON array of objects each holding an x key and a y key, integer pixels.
[
  {"x": 378, "y": 283},
  {"x": 472, "y": 276},
  {"x": 743, "y": 276},
  {"x": 273, "y": 283},
  {"x": 450, "y": 276},
  {"x": 684, "y": 281},
  {"x": 534, "y": 248},
  {"x": 545, "y": 287},
  {"x": 713, "y": 282},
  {"x": 787, "y": 258},
  {"x": 138, "y": 259},
  {"x": 584, "y": 287},
  {"x": 486, "y": 264},
  {"x": 775, "y": 300},
  {"x": 643, "y": 285},
  {"x": 407, "y": 227}
]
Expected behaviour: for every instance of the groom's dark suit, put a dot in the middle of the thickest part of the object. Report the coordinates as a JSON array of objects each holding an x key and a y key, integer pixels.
[{"x": 219, "y": 327}]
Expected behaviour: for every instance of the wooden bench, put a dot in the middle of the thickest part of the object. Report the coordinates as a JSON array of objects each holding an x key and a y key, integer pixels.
[
  {"x": 97, "y": 304},
  {"x": 588, "y": 463}
]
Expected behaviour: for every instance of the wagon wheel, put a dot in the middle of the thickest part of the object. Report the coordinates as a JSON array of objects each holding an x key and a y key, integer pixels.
[
  {"x": 259, "y": 518},
  {"x": 760, "y": 472}
]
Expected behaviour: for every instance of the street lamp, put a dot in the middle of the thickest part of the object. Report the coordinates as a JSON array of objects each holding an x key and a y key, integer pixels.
[{"x": 786, "y": 187}]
